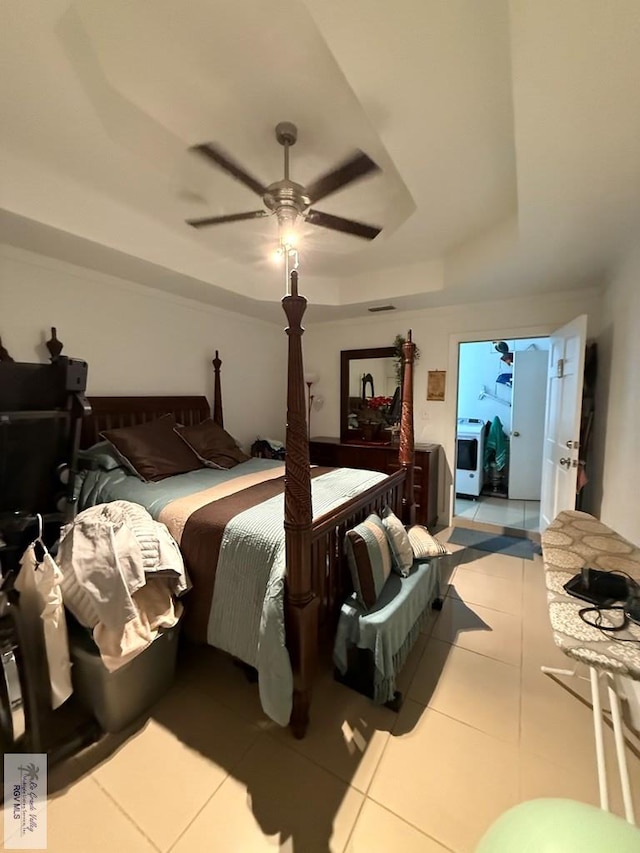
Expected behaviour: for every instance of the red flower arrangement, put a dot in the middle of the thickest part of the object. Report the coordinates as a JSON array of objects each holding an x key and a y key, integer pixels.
[{"x": 380, "y": 404}]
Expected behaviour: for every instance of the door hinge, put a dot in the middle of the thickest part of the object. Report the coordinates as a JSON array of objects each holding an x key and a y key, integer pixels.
[{"x": 560, "y": 368}]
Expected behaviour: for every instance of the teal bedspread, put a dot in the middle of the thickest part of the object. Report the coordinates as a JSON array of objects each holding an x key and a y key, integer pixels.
[
  {"x": 247, "y": 612},
  {"x": 98, "y": 487}
]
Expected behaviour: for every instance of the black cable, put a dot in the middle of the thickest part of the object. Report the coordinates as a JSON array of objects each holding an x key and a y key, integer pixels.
[
  {"x": 607, "y": 630},
  {"x": 620, "y": 572}
]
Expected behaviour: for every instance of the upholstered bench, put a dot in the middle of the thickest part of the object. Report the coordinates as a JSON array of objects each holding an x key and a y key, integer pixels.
[{"x": 372, "y": 646}]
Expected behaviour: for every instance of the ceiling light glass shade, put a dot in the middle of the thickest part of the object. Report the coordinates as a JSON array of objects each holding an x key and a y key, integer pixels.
[{"x": 287, "y": 220}]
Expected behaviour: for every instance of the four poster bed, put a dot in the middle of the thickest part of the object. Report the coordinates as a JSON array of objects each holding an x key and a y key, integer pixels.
[{"x": 302, "y": 600}]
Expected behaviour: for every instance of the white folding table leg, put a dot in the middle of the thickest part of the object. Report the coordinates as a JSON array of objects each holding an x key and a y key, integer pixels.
[
  {"x": 597, "y": 730},
  {"x": 597, "y": 727},
  {"x": 618, "y": 734}
]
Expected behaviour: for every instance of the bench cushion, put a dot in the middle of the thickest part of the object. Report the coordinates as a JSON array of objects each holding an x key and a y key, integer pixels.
[
  {"x": 401, "y": 552},
  {"x": 369, "y": 559},
  {"x": 424, "y": 545}
]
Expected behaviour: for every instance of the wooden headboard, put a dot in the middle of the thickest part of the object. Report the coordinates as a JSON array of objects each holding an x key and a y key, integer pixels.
[{"x": 113, "y": 412}]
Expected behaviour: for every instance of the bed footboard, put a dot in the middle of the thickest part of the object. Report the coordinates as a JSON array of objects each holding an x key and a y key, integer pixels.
[{"x": 330, "y": 576}]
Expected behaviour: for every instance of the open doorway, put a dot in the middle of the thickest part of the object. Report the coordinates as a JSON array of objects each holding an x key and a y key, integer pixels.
[{"x": 499, "y": 434}]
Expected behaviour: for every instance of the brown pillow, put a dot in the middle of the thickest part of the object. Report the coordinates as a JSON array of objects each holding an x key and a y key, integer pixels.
[
  {"x": 153, "y": 451},
  {"x": 212, "y": 445}
]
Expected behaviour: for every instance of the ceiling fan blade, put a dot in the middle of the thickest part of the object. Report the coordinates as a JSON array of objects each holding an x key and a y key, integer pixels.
[
  {"x": 347, "y": 226},
  {"x": 357, "y": 166},
  {"x": 231, "y": 217},
  {"x": 210, "y": 152}
]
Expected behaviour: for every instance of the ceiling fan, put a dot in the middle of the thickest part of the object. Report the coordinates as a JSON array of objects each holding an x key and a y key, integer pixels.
[{"x": 288, "y": 199}]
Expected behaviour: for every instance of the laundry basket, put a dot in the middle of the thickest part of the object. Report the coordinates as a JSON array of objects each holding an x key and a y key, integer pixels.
[{"x": 118, "y": 698}]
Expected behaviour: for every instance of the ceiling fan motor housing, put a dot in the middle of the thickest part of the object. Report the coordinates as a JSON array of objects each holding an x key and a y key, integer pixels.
[{"x": 286, "y": 194}]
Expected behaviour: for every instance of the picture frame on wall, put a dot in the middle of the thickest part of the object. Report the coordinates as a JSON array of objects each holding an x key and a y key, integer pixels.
[{"x": 436, "y": 381}]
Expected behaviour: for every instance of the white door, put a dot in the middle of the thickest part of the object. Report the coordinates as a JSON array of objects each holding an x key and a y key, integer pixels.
[
  {"x": 528, "y": 400},
  {"x": 562, "y": 426}
]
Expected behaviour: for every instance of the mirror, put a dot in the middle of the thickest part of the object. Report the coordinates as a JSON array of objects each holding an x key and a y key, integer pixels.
[{"x": 369, "y": 395}]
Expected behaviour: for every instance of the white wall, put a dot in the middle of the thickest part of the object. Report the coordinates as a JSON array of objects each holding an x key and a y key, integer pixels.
[
  {"x": 437, "y": 332},
  {"x": 614, "y": 470},
  {"x": 138, "y": 340}
]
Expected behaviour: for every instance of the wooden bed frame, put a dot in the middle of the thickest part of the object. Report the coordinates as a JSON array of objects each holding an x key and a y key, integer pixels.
[{"x": 318, "y": 580}]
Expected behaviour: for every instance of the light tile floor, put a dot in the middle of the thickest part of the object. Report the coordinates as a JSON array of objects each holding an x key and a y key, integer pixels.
[
  {"x": 481, "y": 729},
  {"x": 519, "y": 515}
]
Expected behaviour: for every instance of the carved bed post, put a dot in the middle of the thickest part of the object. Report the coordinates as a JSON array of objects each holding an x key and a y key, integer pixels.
[
  {"x": 406, "y": 451},
  {"x": 217, "y": 392},
  {"x": 301, "y": 607}
]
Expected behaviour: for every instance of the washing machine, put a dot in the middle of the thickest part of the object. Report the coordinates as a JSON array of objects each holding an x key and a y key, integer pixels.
[{"x": 470, "y": 456}]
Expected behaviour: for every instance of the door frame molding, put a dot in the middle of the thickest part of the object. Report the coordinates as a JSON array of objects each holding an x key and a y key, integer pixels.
[{"x": 498, "y": 333}]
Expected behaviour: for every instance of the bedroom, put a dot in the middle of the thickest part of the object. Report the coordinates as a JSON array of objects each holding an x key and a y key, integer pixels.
[{"x": 145, "y": 306}]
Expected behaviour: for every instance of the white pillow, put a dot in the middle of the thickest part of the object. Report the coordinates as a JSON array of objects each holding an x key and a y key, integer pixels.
[
  {"x": 401, "y": 551},
  {"x": 424, "y": 545}
]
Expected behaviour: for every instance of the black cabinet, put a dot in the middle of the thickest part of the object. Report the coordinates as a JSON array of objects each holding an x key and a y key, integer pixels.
[{"x": 376, "y": 457}]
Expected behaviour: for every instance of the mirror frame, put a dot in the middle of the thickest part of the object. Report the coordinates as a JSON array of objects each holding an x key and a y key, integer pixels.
[{"x": 346, "y": 356}]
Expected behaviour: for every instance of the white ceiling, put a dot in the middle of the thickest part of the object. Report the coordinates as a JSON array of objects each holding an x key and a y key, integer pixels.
[{"x": 508, "y": 134}]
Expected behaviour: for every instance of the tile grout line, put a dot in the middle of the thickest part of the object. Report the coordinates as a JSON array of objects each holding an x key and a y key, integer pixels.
[
  {"x": 292, "y": 748},
  {"x": 197, "y": 814},
  {"x": 310, "y": 760},
  {"x": 123, "y": 812},
  {"x": 468, "y": 725},
  {"x": 412, "y": 825},
  {"x": 213, "y": 793},
  {"x": 217, "y": 788},
  {"x": 478, "y": 604},
  {"x": 355, "y": 823},
  {"x": 474, "y": 651}
]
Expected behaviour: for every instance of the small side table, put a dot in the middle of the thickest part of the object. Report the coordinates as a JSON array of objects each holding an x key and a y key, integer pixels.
[{"x": 571, "y": 542}]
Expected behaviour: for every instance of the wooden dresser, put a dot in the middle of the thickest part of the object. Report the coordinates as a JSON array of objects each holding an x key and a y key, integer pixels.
[{"x": 378, "y": 457}]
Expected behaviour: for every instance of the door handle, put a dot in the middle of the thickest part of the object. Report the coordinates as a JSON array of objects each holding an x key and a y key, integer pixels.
[
  {"x": 564, "y": 460},
  {"x": 515, "y": 433}
]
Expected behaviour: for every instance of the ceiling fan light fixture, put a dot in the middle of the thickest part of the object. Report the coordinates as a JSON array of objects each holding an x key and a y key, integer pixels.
[{"x": 287, "y": 217}]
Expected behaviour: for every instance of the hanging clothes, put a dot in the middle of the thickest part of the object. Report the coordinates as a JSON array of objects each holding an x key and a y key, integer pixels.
[
  {"x": 121, "y": 571},
  {"x": 42, "y": 580},
  {"x": 496, "y": 448}
]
